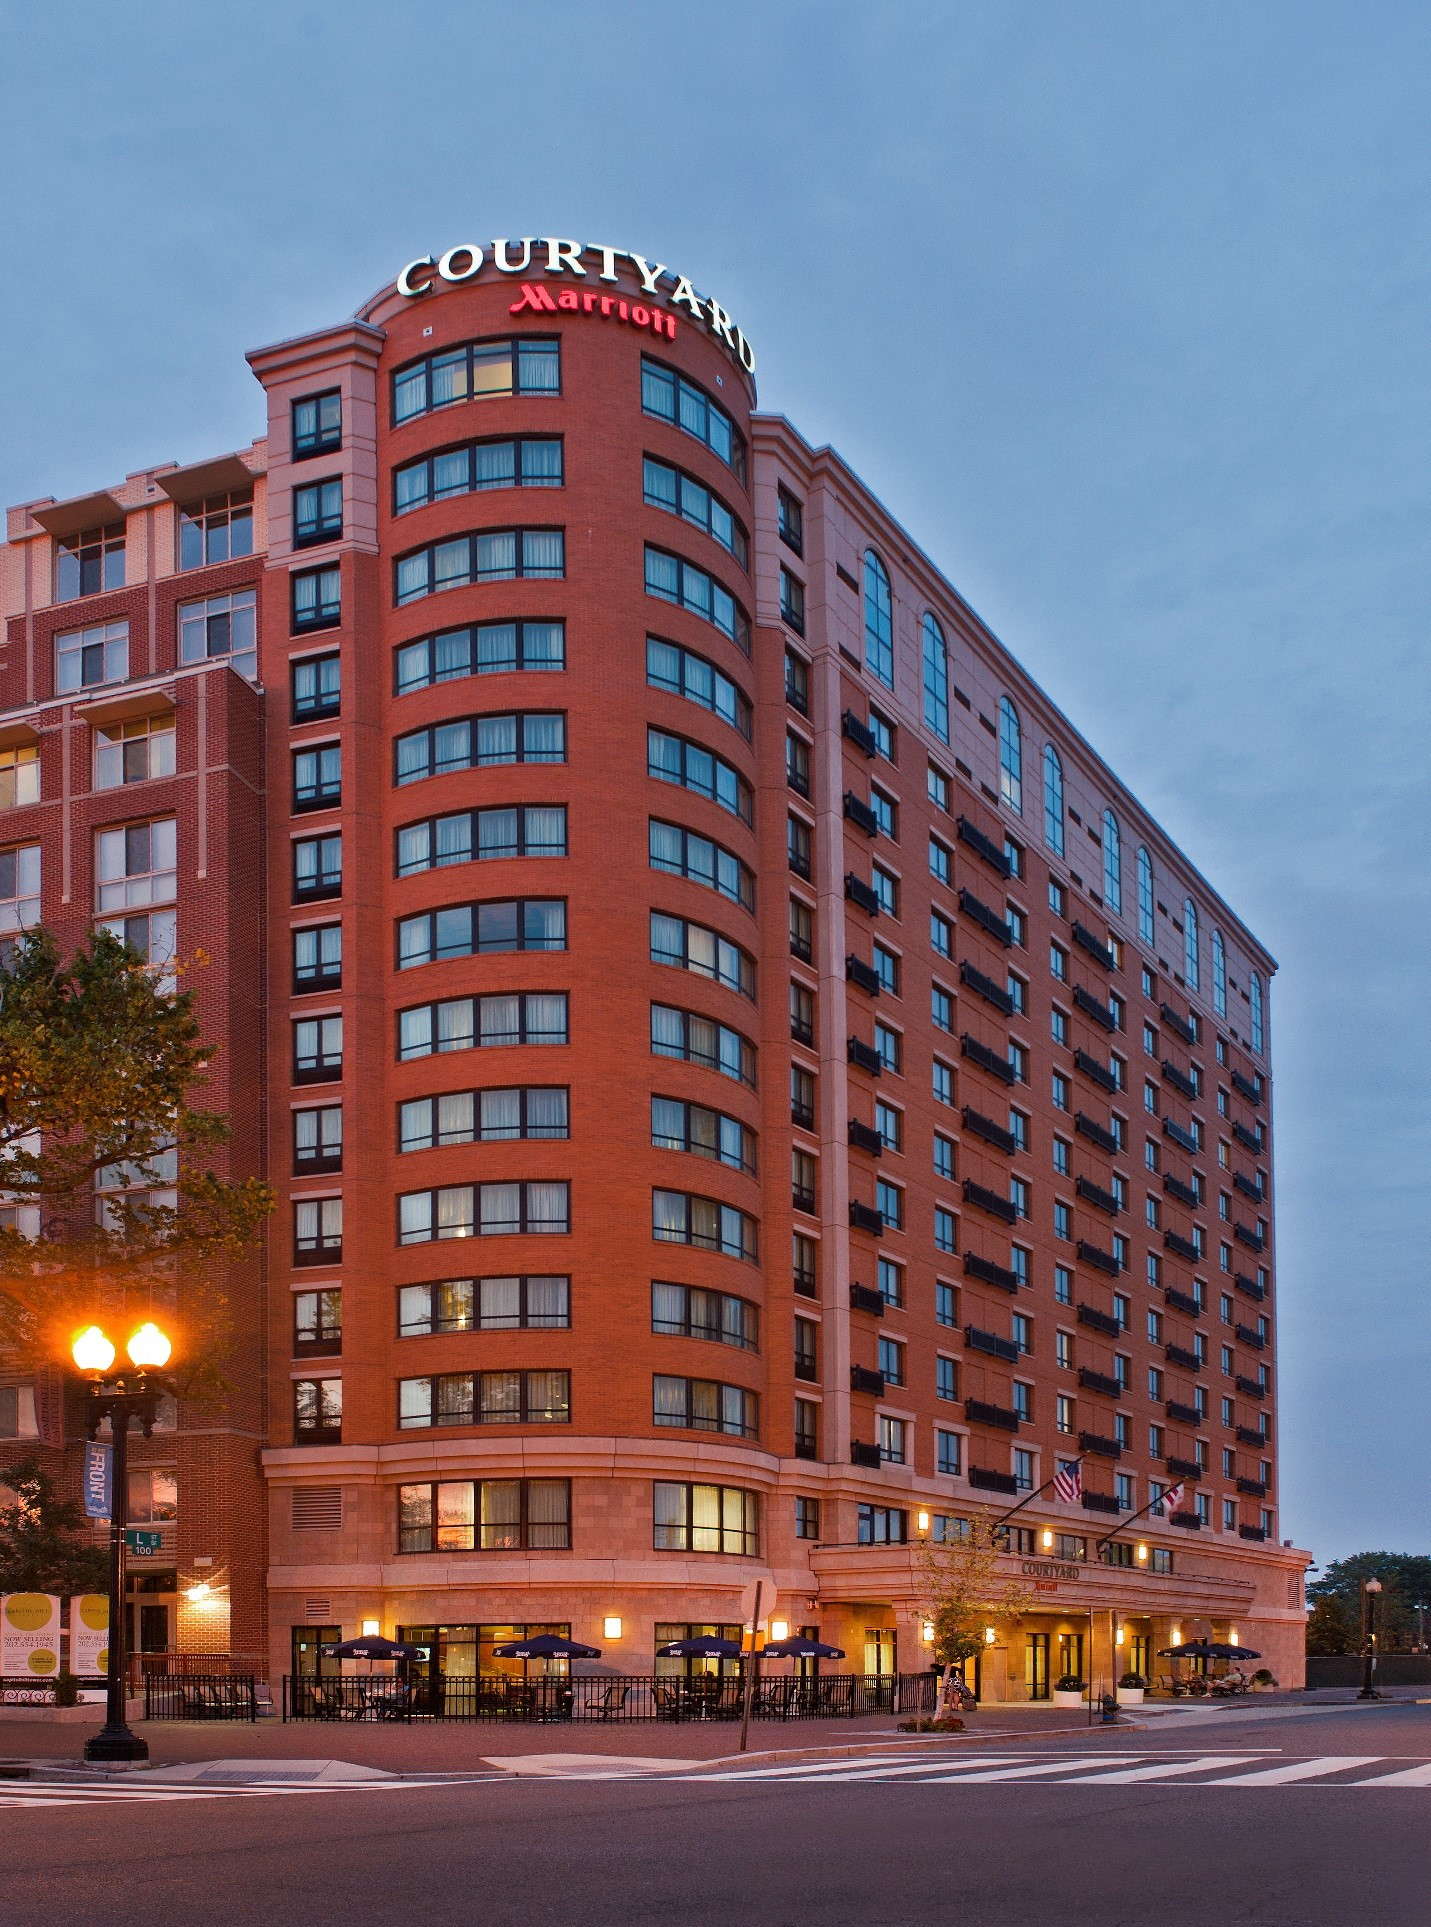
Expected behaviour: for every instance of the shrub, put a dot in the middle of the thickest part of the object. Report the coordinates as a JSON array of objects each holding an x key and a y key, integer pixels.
[
  {"x": 66, "y": 1689},
  {"x": 1132, "y": 1679},
  {"x": 1070, "y": 1683}
]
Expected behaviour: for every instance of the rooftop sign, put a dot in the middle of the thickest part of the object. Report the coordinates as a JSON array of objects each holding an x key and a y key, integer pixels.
[{"x": 530, "y": 257}]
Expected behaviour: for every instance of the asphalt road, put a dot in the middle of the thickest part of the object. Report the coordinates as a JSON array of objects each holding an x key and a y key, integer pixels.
[{"x": 1337, "y": 1852}]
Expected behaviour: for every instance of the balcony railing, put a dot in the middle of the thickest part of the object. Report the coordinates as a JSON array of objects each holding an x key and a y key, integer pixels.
[
  {"x": 802, "y": 1197},
  {"x": 802, "y": 1114},
  {"x": 988, "y": 1273},
  {"x": 1184, "y": 1414},
  {"x": 1179, "y": 1080},
  {"x": 860, "y": 814},
  {"x": 983, "y": 846},
  {"x": 1099, "y": 1321},
  {"x": 1184, "y": 1468},
  {"x": 1245, "y": 1087},
  {"x": 1091, "y": 1007},
  {"x": 1249, "y": 1187},
  {"x": 1249, "y": 1287},
  {"x": 1097, "y": 1073},
  {"x": 1184, "y": 1193},
  {"x": 862, "y": 975},
  {"x": 985, "y": 987},
  {"x": 1251, "y": 1387},
  {"x": 980, "y": 1126},
  {"x": 1249, "y": 1140},
  {"x": 1096, "y": 1195},
  {"x": 861, "y": 895},
  {"x": 1245, "y": 1235},
  {"x": 1252, "y": 1435},
  {"x": 864, "y": 1217},
  {"x": 988, "y": 1481},
  {"x": 1254, "y": 1533},
  {"x": 1179, "y": 1026},
  {"x": 863, "y": 1137},
  {"x": 864, "y": 1056},
  {"x": 866, "y": 1298},
  {"x": 1184, "y": 1247},
  {"x": 1253, "y": 1488},
  {"x": 990, "y": 1201},
  {"x": 1180, "y": 1355},
  {"x": 1181, "y": 1300},
  {"x": 1102, "y": 1502},
  {"x": 862, "y": 1379},
  {"x": 804, "y": 1283},
  {"x": 1179, "y": 1135},
  {"x": 856, "y": 732},
  {"x": 868, "y": 1455},
  {"x": 1101, "y": 1382},
  {"x": 979, "y": 1412},
  {"x": 1248, "y": 1335},
  {"x": 1189, "y": 1521},
  {"x": 991, "y": 1343},
  {"x": 1090, "y": 1128},
  {"x": 1096, "y": 1256},
  {"x": 986, "y": 1059},
  {"x": 986, "y": 918},
  {"x": 1100, "y": 1445},
  {"x": 1094, "y": 946}
]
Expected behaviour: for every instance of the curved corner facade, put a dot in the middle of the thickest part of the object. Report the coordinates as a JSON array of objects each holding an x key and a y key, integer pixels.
[{"x": 746, "y": 1085}]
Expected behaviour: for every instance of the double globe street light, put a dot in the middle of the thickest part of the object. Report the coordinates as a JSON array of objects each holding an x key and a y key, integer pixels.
[{"x": 132, "y": 1392}]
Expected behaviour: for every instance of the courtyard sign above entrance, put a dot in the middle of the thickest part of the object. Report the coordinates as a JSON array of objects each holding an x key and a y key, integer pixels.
[{"x": 530, "y": 257}]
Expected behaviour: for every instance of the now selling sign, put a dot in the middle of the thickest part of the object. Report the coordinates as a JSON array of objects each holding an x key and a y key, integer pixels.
[{"x": 29, "y": 1635}]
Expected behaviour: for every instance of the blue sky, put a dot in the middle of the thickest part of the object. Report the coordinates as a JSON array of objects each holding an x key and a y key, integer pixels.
[{"x": 1121, "y": 309}]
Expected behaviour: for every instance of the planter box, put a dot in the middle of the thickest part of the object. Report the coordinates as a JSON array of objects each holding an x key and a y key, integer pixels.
[
  {"x": 1067, "y": 1699},
  {"x": 1130, "y": 1695}
]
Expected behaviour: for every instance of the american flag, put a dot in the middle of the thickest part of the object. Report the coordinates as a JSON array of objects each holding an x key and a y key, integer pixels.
[
  {"x": 1172, "y": 1498},
  {"x": 1068, "y": 1482}
]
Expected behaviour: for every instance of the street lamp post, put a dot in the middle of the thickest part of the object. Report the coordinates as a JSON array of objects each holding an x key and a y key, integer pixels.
[
  {"x": 1368, "y": 1671},
  {"x": 120, "y": 1397}
]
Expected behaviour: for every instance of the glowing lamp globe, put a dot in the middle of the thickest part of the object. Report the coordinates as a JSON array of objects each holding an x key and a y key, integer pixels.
[
  {"x": 92, "y": 1351},
  {"x": 149, "y": 1346}
]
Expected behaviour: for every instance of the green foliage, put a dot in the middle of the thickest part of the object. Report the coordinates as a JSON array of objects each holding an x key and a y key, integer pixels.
[
  {"x": 1406, "y": 1580},
  {"x": 1331, "y": 1628},
  {"x": 40, "y": 1545},
  {"x": 963, "y": 1586}
]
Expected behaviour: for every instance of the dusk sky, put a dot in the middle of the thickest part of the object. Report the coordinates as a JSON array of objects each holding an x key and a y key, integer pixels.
[{"x": 1122, "y": 310}]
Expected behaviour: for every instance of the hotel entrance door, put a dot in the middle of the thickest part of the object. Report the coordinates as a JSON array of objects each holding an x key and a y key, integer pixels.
[{"x": 1036, "y": 1666}]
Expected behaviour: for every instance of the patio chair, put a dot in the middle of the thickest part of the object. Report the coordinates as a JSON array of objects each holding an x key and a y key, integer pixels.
[
  {"x": 612, "y": 1703},
  {"x": 668, "y": 1700}
]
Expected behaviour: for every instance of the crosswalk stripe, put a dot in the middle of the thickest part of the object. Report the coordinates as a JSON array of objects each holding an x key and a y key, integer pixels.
[
  {"x": 1411, "y": 1776},
  {"x": 1297, "y": 1770},
  {"x": 1022, "y": 1772},
  {"x": 1165, "y": 1770},
  {"x": 861, "y": 1770},
  {"x": 809, "y": 1766}
]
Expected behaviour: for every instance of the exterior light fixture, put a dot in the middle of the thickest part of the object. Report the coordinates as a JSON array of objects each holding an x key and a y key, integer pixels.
[
  {"x": 1047, "y": 1540},
  {"x": 197, "y": 1594},
  {"x": 926, "y": 1632},
  {"x": 92, "y": 1351},
  {"x": 611, "y": 1626},
  {"x": 989, "y": 1635},
  {"x": 1142, "y": 1554},
  {"x": 1118, "y": 1637},
  {"x": 149, "y": 1348},
  {"x": 371, "y": 1628},
  {"x": 921, "y": 1519},
  {"x": 1177, "y": 1633},
  {"x": 779, "y": 1629}
]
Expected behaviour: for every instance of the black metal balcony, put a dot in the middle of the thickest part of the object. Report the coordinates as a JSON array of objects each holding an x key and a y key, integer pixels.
[
  {"x": 1179, "y": 1080},
  {"x": 1096, "y": 1195},
  {"x": 1091, "y": 1007},
  {"x": 1094, "y": 946},
  {"x": 862, "y": 1379},
  {"x": 985, "y": 987},
  {"x": 1248, "y": 1335},
  {"x": 1251, "y": 1435},
  {"x": 1245, "y": 1087},
  {"x": 1099, "y": 1321},
  {"x": 1101, "y": 1382},
  {"x": 860, "y": 814},
  {"x": 861, "y": 895},
  {"x": 988, "y": 1273},
  {"x": 1253, "y": 1488},
  {"x": 861, "y": 1454},
  {"x": 985, "y": 1480},
  {"x": 804, "y": 1283},
  {"x": 866, "y": 1298},
  {"x": 1184, "y": 1193},
  {"x": 863, "y": 1137},
  {"x": 986, "y": 918},
  {"x": 1184, "y": 1414},
  {"x": 1096, "y": 1256},
  {"x": 1097, "y": 1073},
  {"x": 990, "y": 1342},
  {"x": 1245, "y": 1235},
  {"x": 979, "y": 1412},
  {"x": 858, "y": 733},
  {"x": 986, "y": 1059},
  {"x": 1184, "y": 1468},
  {"x": 864, "y": 1217},
  {"x": 980, "y": 1126},
  {"x": 1189, "y": 1521},
  {"x": 1101, "y": 1446},
  {"x": 983, "y": 846},
  {"x": 1249, "y": 1187},
  {"x": 1249, "y": 1287},
  {"x": 1184, "y": 1247},
  {"x": 862, "y": 975},
  {"x": 1101, "y": 1502},
  {"x": 1251, "y": 1387},
  {"x": 1180, "y": 1355},
  {"x": 802, "y": 1197},
  {"x": 864, "y": 1056},
  {"x": 1254, "y": 1533},
  {"x": 802, "y": 1114},
  {"x": 1249, "y": 1140},
  {"x": 990, "y": 1201},
  {"x": 1179, "y": 1135},
  {"x": 1181, "y": 1300},
  {"x": 1090, "y": 1128},
  {"x": 1178, "y": 1025}
]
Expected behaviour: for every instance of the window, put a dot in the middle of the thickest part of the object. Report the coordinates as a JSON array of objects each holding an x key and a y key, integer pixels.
[
  {"x": 671, "y": 398},
  {"x": 488, "y": 1515},
  {"x": 792, "y": 601},
  {"x": 807, "y": 1518},
  {"x": 1146, "y": 928},
  {"x": 889, "y": 1122},
  {"x": 481, "y": 929},
  {"x": 790, "y": 517},
  {"x": 674, "y": 579},
  {"x": 531, "y": 1208},
  {"x": 480, "y": 649},
  {"x": 893, "y": 1439},
  {"x": 946, "y": 1377},
  {"x": 943, "y": 1156},
  {"x": 941, "y": 861},
  {"x": 946, "y": 1229},
  {"x": 879, "y": 630},
  {"x": 797, "y": 682},
  {"x": 528, "y": 462},
  {"x": 87, "y": 563},
  {"x": 701, "y": 1040},
  {"x": 703, "y": 1405},
  {"x": 798, "y": 846},
  {"x": 886, "y": 813},
  {"x": 677, "y": 1125},
  {"x": 1053, "y": 809},
  {"x": 1018, "y": 993},
  {"x": 315, "y": 684},
  {"x": 1023, "y": 1468},
  {"x": 802, "y": 930},
  {"x": 889, "y": 1047},
  {"x": 317, "y": 513},
  {"x": 1019, "y": 1128},
  {"x": 1219, "y": 974},
  {"x": 317, "y": 424},
  {"x": 318, "y": 1140},
  {"x": 218, "y": 529},
  {"x": 525, "y": 1303},
  {"x": 941, "y": 1007},
  {"x": 803, "y": 1253},
  {"x": 20, "y": 887},
  {"x": 1112, "y": 864},
  {"x": 485, "y": 1398},
  {"x": 126, "y": 752},
  {"x": 942, "y": 1081},
  {"x": 476, "y": 371},
  {"x": 317, "y": 1231},
  {"x": 317, "y": 1411},
  {"x": 1058, "y": 962},
  {"x": 680, "y": 1217},
  {"x": 886, "y": 889},
  {"x": 1018, "y": 925},
  {"x": 691, "y": 946},
  {"x": 317, "y": 867},
  {"x": 487, "y": 555},
  {"x": 318, "y": 1322},
  {"x": 318, "y": 958},
  {"x": 317, "y": 778},
  {"x": 1021, "y": 1330},
  {"x": 1259, "y": 1017},
  {"x": 1190, "y": 943},
  {"x": 468, "y": 836},
  {"x": 1024, "y": 1401},
  {"x": 1019, "y": 1063},
  {"x": 1063, "y": 1413},
  {"x": 936, "y": 679},
  {"x": 20, "y": 776},
  {"x": 883, "y": 731},
  {"x": 1062, "y": 1221},
  {"x": 945, "y": 1304},
  {"x": 1062, "y": 1092},
  {"x": 1020, "y": 1196},
  {"x": 1011, "y": 756},
  {"x": 937, "y": 788},
  {"x": 317, "y": 600},
  {"x": 134, "y": 865},
  {"x": 1063, "y": 1349},
  {"x": 1062, "y": 1154},
  {"x": 687, "y": 765},
  {"x": 480, "y": 742},
  {"x": 685, "y": 1311},
  {"x": 1058, "y": 1025},
  {"x": 941, "y": 934},
  {"x": 704, "y": 1518},
  {"x": 85, "y": 658},
  {"x": 681, "y": 852},
  {"x": 889, "y": 1279},
  {"x": 491, "y": 1116},
  {"x": 889, "y": 1202},
  {"x": 881, "y": 1525},
  {"x": 890, "y": 1361}
]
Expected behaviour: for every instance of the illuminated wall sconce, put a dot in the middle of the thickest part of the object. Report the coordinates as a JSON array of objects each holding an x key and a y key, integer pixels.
[
  {"x": 922, "y": 1521},
  {"x": 989, "y": 1635},
  {"x": 1047, "y": 1540},
  {"x": 372, "y": 1628},
  {"x": 1118, "y": 1637},
  {"x": 1142, "y": 1555},
  {"x": 1232, "y": 1636},
  {"x": 200, "y": 1594},
  {"x": 1177, "y": 1632},
  {"x": 779, "y": 1629},
  {"x": 611, "y": 1626},
  {"x": 926, "y": 1632}
]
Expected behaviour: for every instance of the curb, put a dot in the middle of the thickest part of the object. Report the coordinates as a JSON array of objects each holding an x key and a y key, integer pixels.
[{"x": 793, "y": 1755}]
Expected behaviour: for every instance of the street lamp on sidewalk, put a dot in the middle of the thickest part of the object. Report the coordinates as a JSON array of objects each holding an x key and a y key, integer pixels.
[
  {"x": 133, "y": 1392},
  {"x": 1368, "y": 1672}
]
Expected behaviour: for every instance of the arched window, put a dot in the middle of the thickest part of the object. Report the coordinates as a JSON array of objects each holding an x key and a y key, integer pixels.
[
  {"x": 1259, "y": 1019},
  {"x": 936, "y": 679},
  {"x": 1145, "y": 896},
  {"x": 1191, "y": 968},
  {"x": 1011, "y": 756},
  {"x": 879, "y": 625},
  {"x": 1219, "y": 974},
  {"x": 1052, "y": 799},
  {"x": 1112, "y": 864}
]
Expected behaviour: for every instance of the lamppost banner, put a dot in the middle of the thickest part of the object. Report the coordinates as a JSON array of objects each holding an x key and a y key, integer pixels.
[
  {"x": 89, "y": 1634},
  {"x": 98, "y": 1481},
  {"x": 29, "y": 1635}
]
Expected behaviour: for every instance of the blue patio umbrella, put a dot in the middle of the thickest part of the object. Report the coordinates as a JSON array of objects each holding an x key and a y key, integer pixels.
[
  {"x": 373, "y": 1646},
  {"x": 797, "y": 1648},
  {"x": 703, "y": 1646},
  {"x": 546, "y": 1646}
]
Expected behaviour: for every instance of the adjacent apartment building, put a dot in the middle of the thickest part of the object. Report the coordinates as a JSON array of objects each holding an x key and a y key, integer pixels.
[{"x": 746, "y": 1084}]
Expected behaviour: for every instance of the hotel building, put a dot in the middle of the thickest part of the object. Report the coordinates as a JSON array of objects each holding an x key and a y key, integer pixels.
[{"x": 746, "y": 1085}]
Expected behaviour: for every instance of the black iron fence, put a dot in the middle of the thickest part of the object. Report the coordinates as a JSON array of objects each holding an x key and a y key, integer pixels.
[
  {"x": 603, "y": 1698},
  {"x": 198, "y": 1696}
]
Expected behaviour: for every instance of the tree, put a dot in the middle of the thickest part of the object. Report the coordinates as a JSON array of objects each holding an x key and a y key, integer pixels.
[
  {"x": 962, "y": 1587},
  {"x": 40, "y": 1550},
  {"x": 98, "y": 1069},
  {"x": 1330, "y": 1628},
  {"x": 1406, "y": 1582}
]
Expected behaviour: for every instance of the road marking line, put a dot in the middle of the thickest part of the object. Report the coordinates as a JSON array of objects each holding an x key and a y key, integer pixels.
[
  {"x": 1298, "y": 1770},
  {"x": 1023, "y": 1772},
  {"x": 807, "y": 1766},
  {"x": 860, "y": 1771},
  {"x": 1130, "y": 1776},
  {"x": 1411, "y": 1776}
]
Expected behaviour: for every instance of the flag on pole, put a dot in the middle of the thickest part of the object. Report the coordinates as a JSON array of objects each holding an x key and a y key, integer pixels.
[
  {"x": 1172, "y": 1499},
  {"x": 1068, "y": 1481}
]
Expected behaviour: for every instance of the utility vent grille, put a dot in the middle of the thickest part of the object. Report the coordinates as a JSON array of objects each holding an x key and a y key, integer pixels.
[
  {"x": 317, "y": 1508},
  {"x": 318, "y": 1612}
]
